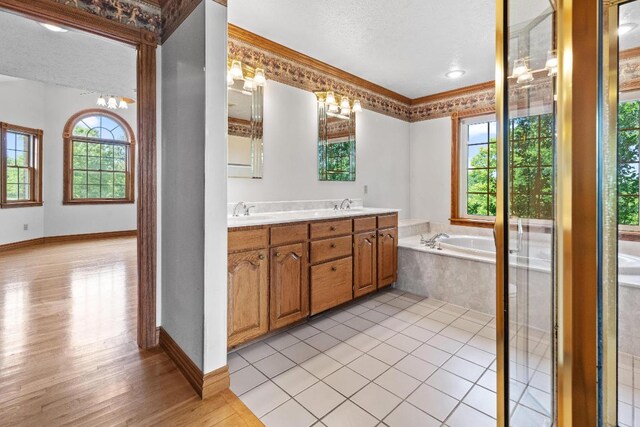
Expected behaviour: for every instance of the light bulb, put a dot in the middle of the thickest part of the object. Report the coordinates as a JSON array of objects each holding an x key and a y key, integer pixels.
[
  {"x": 331, "y": 98},
  {"x": 112, "y": 103},
  {"x": 357, "y": 107},
  {"x": 519, "y": 67},
  {"x": 123, "y": 104},
  {"x": 248, "y": 84},
  {"x": 259, "y": 78},
  {"x": 101, "y": 101},
  {"x": 236, "y": 70}
]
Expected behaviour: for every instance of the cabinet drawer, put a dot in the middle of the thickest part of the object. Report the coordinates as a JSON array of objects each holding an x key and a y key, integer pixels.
[
  {"x": 388, "y": 221},
  {"x": 323, "y": 250},
  {"x": 288, "y": 234},
  {"x": 331, "y": 284},
  {"x": 322, "y": 230},
  {"x": 243, "y": 240},
  {"x": 364, "y": 224}
]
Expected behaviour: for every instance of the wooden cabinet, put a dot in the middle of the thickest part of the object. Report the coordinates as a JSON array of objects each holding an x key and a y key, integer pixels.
[
  {"x": 324, "y": 250},
  {"x": 387, "y": 256},
  {"x": 248, "y": 296},
  {"x": 289, "y": 285},
  {"x": 331, "y": 284},
  {"x": 365, "y": 251}
]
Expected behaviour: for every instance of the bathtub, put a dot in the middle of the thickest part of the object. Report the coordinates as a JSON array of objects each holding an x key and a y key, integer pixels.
[{"x": 461, "y": 270}]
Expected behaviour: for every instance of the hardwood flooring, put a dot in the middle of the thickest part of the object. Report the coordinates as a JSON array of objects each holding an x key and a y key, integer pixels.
[{"x": 68, "y": 352}]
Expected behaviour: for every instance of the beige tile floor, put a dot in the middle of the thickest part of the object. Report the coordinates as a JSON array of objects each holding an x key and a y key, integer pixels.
[{"x": 393, "y": 359}]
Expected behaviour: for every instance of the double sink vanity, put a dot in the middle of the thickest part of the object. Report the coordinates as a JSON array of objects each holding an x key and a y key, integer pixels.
[{"x": 284, "y": 267}]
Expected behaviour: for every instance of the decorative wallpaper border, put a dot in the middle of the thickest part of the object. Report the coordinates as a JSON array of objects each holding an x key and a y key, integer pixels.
[
  {"x": 292, "y": 73},
  {"x": 136, "y": 13}
]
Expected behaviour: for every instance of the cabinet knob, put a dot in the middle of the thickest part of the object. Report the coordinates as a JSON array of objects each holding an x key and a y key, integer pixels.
[
  {"x": 277, "y": 254},
  {"x": 373, "y": 236},
  {"x": 334, "y": 268},
  {"x": 333, "y": 245},
  {"x": 261, "y": 256},
  {"x": 381, "y": 234},
  {"x": 332, "y": 228}
]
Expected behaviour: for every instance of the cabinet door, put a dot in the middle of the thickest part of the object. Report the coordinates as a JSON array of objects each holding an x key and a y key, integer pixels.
[
  {"x": 364, "y": 263},
  {"x": 289, "y": 284},
  {"x": 248, "y": 298},
  {"x": 387, "y": 256}
]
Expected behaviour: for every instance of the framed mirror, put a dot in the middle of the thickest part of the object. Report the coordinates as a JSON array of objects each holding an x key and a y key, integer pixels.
[
  {"x": 336, "y": 137},
  {"x": 245, "y": 87}
]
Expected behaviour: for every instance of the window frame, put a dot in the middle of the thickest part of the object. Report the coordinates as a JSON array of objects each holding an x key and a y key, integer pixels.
[
  {"x": 35, "y": 166},
  {"x": 68, "y": 159},
  {"x": 457, "y": 218}
]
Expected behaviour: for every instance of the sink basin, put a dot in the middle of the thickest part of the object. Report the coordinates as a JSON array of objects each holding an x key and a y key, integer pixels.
[{"x": 256, "y": 217}]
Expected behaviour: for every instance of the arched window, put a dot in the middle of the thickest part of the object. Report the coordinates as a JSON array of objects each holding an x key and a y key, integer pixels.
[{"x": 99, "y": 158}]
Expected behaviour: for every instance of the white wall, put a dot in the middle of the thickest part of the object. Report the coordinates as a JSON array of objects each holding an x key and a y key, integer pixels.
[
  {"x": 430, "y": 165},
  {"x": 290, "y": 156},
  {"x": 48, "y": 107}
]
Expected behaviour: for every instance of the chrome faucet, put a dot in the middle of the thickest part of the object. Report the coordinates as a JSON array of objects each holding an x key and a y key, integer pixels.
[
  {"x": 347, "y": 202},
  {"x": 431, "y": 242},
  {"x": 247, "y": 208},
  {"x": 237, "y": 207}
]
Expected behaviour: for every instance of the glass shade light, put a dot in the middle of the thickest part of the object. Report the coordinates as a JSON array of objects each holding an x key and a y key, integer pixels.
[
  {"x": 123, "y": 104},
  {"x": 248, "y": 84},
  {"x": 259, "y": 78},
  {"x": 520, "y": 67},
  {"x": 344, "y": 103},
  {"x": 331, "y": 98},
  {"x": 333, "y": 108},
  {"x": 345, "y": 111},
  {"x": 525, "y": 77},
  {"x": 236, "y": 70},
  {"x": 112, "y": 103},
  {"x": 101, "y": 101},
  {"x": 229, "y": 78},
  {"x": 357, "y": 107}
]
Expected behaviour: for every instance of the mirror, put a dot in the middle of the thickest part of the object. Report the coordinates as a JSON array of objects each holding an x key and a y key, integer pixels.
[
  {"x": 244, "y": 139},
  {"x": 336, "y": 137}
]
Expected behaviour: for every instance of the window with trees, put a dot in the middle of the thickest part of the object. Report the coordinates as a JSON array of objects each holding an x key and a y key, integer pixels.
[
  {"x": 99, "y": 159},
  {"x": 21, "y": 159},
  {"x": 628, "y": 163},
  {"x": 475, "y": 168}
]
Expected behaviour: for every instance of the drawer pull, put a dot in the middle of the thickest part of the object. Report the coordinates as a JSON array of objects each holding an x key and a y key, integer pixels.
[
  {"x": 381, "y": 234},
  {"x": 260, "y": 256},
  {"x": 277, "y": 254},
  {"x": 334, "y": 268},
  {"x": 333, "y": 245},
  {"x": 373, "y": 236},
  {"x": 332, "y": 228}
]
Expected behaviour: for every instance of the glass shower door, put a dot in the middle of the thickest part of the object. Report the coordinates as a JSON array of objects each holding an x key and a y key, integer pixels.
[{"x": 524, "y": 224}]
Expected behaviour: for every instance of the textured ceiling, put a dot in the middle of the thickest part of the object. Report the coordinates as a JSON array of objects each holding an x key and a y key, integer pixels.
[
  {"x": 73, "y": 59},
  {"x": 404, "y": 45}
]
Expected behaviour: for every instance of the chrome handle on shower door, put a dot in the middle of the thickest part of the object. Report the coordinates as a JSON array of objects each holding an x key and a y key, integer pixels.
[{"x": 518, "y": 238}]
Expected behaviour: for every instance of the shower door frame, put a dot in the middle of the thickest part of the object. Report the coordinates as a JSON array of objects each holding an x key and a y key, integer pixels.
[{"x": 578, "y": 218}]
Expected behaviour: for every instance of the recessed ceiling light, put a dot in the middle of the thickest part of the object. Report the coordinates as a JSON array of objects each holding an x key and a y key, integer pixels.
[
  {"x": 454, "y": 74},
  {"x": 625, "y": 28},
  {"x": 54, "y": 28}
]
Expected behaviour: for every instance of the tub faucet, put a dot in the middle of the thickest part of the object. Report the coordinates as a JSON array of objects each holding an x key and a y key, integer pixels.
[
  {"x": 237, "y": 207},
  {"x": 346, "y": 202},
  {"x": 431, "y": 242}
]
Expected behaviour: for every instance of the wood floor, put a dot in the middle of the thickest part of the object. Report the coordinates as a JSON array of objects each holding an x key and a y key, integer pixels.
[{"x": 67, "y": 345}]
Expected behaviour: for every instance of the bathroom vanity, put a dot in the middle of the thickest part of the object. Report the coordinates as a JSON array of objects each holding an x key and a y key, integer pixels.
[{"x": 285, "y": 268}]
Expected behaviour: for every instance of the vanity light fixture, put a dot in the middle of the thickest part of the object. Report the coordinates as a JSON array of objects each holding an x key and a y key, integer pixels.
[
  {"x": 520, "y": 67},
  {"x": 625, "y": 28},
  {"x": 54, "y": 28},
  {"x": 114, "y": 103},
  {"x": 454, "y": 74},
  {"x": 357, "y": 107},
  {"x": 248, "y": 84},
  {"x": 331, "y": 98},
  {"x": 102, "y": 102},
  {"x": 230, "y": 80},
  {"x": 236, "y": 70},
  {"x": 259, "y": 77},
  {"x": 338, "y": 105},
  {"x": 123, "y": 105}
]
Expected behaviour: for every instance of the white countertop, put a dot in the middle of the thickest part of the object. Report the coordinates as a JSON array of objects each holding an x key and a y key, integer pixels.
[{"x": 306, "y": 215}]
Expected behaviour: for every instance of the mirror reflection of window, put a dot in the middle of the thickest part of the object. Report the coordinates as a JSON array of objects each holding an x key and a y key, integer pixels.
[{"x": 336, "y": 137}]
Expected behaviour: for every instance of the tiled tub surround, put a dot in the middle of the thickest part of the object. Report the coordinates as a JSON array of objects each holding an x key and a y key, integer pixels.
[{"x": 394, "y": 359}]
